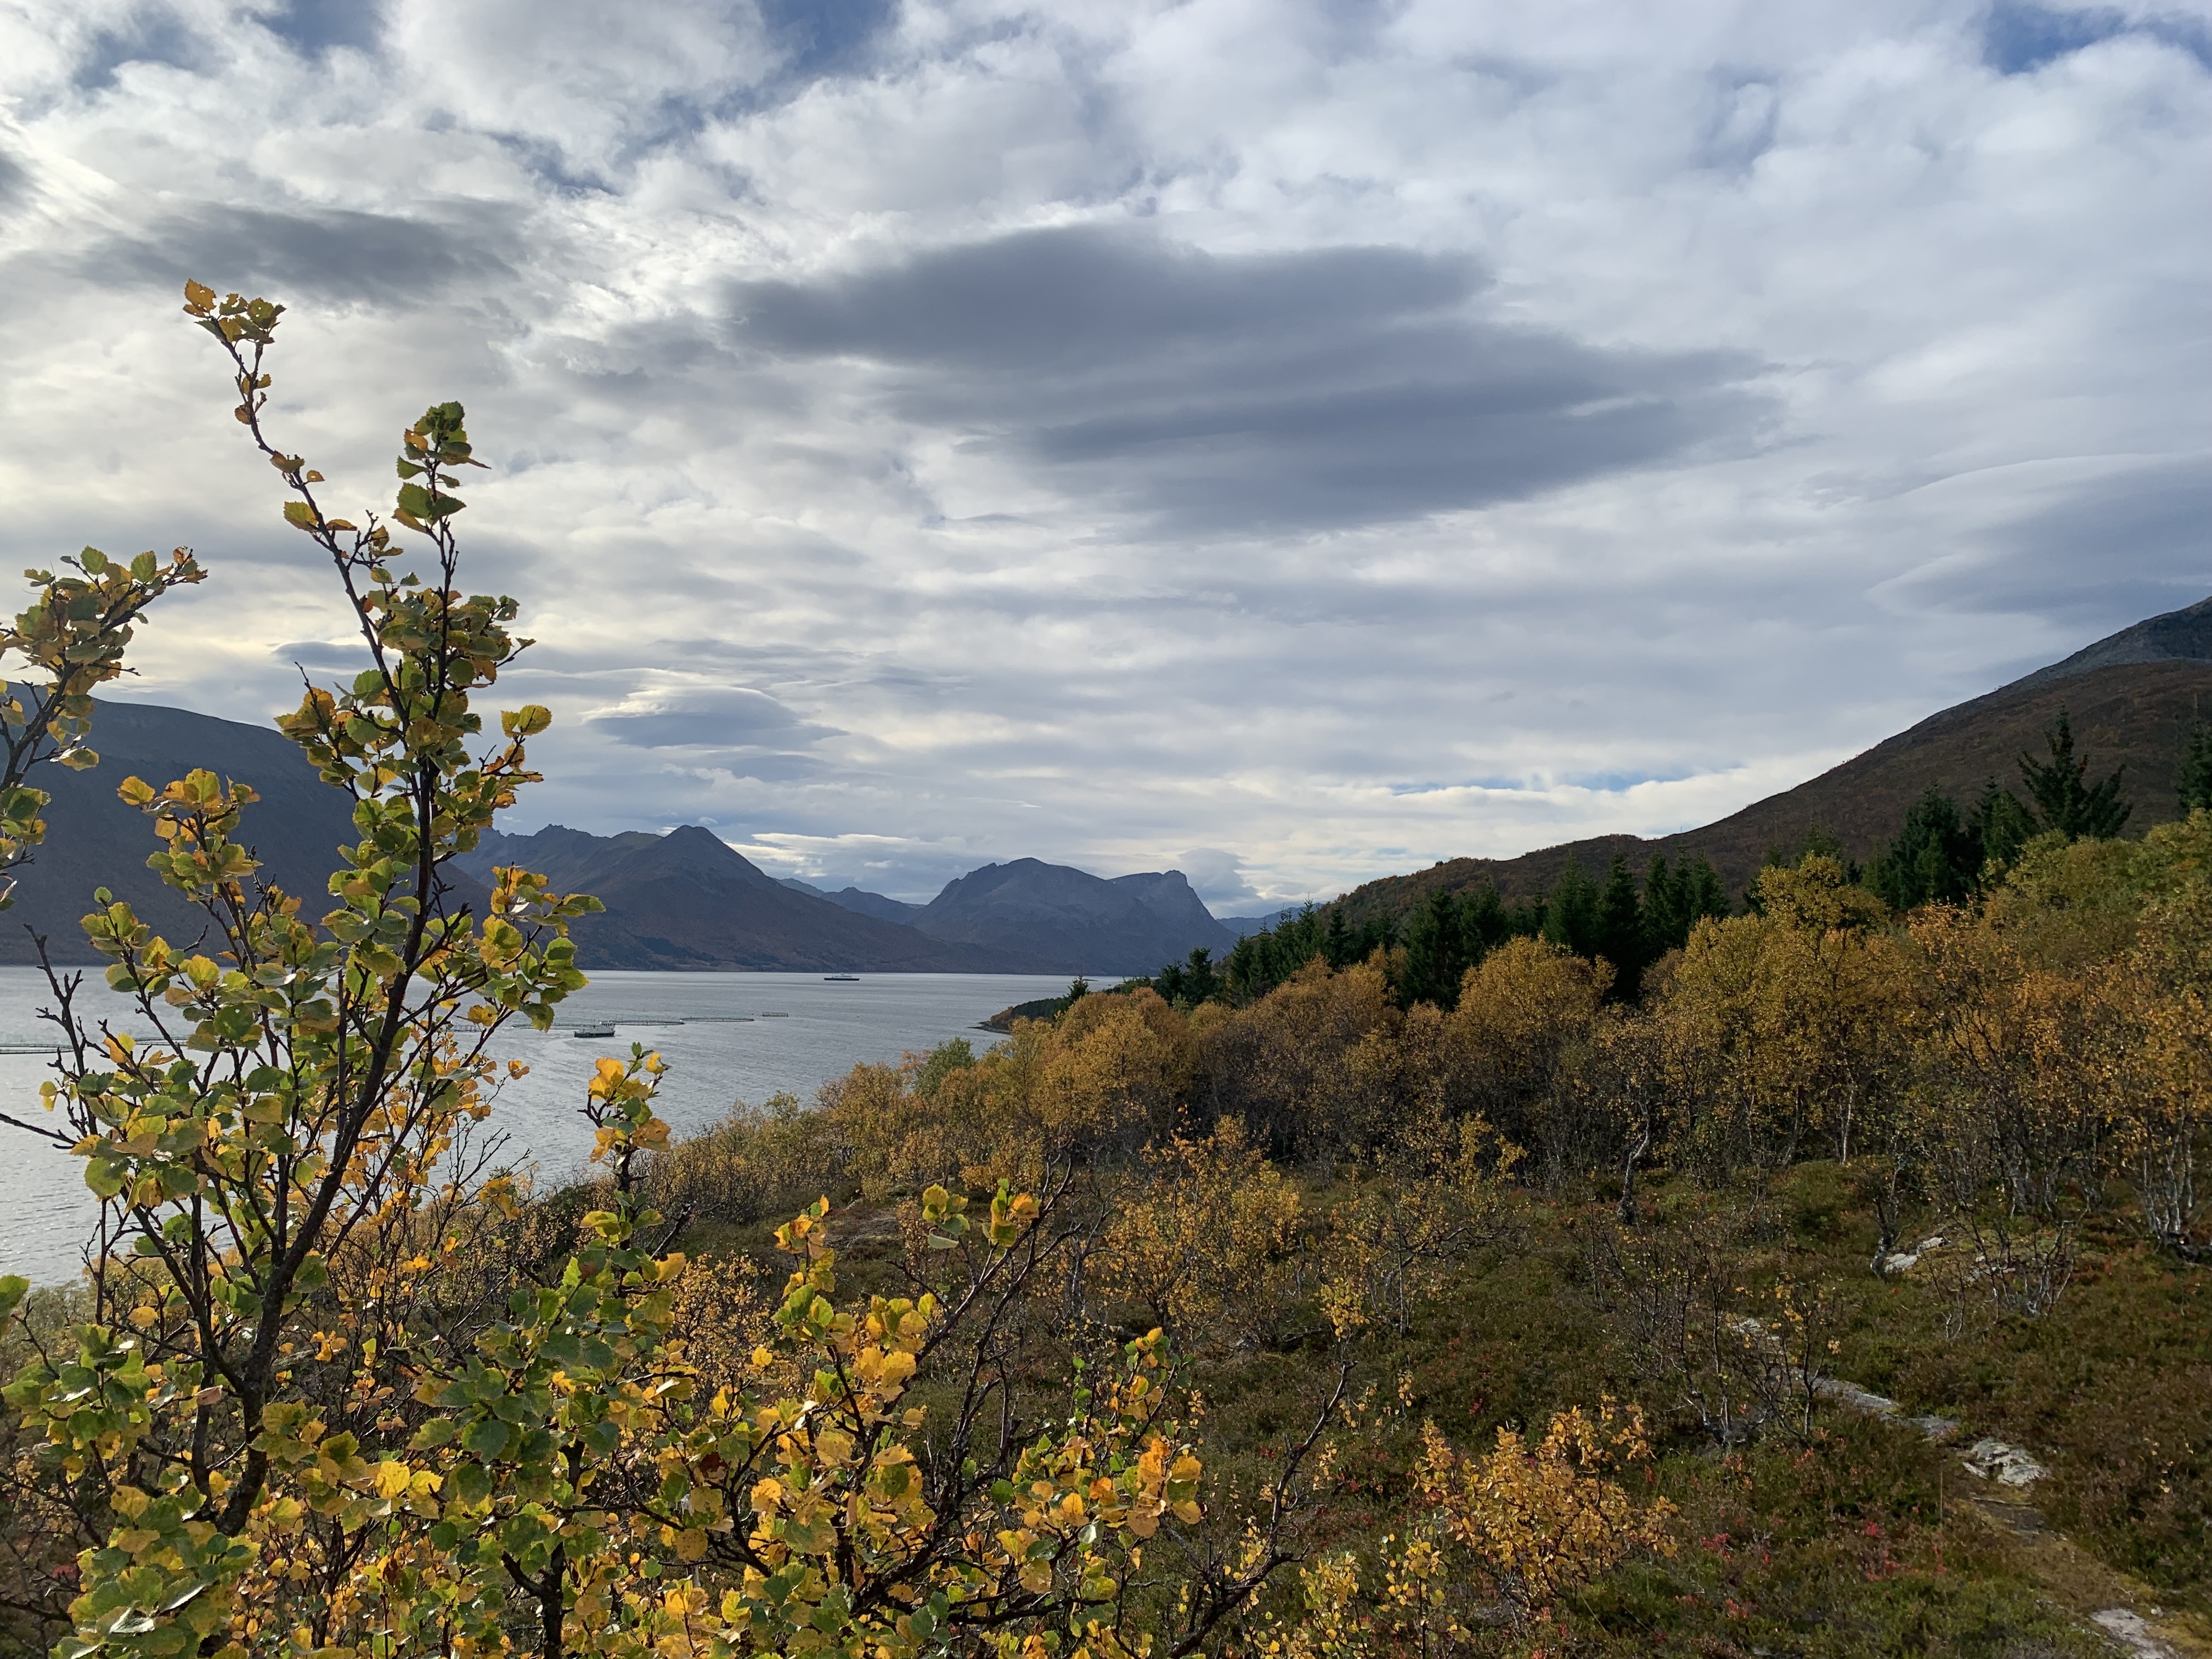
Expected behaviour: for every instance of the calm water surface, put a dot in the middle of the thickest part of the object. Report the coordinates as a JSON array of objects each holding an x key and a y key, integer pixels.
[{"x": 710, "y": 1028}]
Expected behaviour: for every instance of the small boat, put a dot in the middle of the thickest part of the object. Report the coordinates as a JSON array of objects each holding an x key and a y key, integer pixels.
[
  {"x": 606, "y": 1031},
  {"x": 775, "y": 1016},
  {"x": 842, "y": 979}
]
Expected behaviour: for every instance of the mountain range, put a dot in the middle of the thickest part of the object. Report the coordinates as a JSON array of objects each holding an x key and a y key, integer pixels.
[
  {"x": 682, "y": 900},
  {"x": 688, "y": 900}
]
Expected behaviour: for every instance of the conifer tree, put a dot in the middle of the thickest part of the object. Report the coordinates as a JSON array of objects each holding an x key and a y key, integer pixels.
[
  {"x": 1937, "y": 858},
  {"x": 2194, "y": 784},
  {"x": 1570, "y": 911},
  {"x": 2065, "y": 802},
  {"x": 1436, "y": 952},
  {"x": 2001, "y": 826},
  {"x": 1620, "y": 930}
]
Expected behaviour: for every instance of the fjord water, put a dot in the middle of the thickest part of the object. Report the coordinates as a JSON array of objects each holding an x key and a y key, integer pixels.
[{"x": 708, "y": 1027}]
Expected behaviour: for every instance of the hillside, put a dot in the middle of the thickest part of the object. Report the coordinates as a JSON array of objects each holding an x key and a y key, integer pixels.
[
  {"x": 93, "y": 839},
  {"x": 1074, "y": 922},
  {"x": 2131, "y": 697},
  {"x": 688, "y": 900}
]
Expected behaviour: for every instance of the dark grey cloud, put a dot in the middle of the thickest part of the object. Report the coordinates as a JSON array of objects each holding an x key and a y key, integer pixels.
[
  {"x": 733, "y": 718},
  {"x": 2019, "y": 36},
  {"x": 317, "y": 254},
  {"x": 1215, "y": 394},
  {"x": 1086, "y": 298}
]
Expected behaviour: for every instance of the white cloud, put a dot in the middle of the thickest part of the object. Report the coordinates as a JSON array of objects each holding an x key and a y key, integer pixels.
[{"x": 1328, "y": 438}]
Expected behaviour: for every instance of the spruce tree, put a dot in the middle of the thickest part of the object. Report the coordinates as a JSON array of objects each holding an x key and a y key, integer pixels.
[
  {"x": 2195, "y": 780},
  {"x": 1570, "y": 911},
  {"x": 1662, "y": 908},
  {"x": 2001, "y": 826},
  {"x": 1336, "y": 945},
  {"x": 1436, "y": 952},
  {"x": 1620, "y": 930},
  {"x": 1701, "y": 894},
  {"x": 2064, "y": 800},
  {"x": 1483, "y": 919},
  {"x": 1937, "y": 858}
]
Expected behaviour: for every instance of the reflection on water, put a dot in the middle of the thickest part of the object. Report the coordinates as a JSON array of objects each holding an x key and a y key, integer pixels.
[{"x": 727, "y": 1037}]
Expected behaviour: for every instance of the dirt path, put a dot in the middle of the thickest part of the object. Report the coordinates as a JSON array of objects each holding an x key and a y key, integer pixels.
[
  {"x": 1994, "y": 1490},
  {"x": 2125, "y": 1608}
]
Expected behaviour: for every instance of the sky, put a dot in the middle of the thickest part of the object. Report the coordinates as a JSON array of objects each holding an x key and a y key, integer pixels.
[{"x": 1288, "y": 442}]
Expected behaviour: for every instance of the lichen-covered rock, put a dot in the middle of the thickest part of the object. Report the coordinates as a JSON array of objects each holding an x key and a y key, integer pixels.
[{"x": 2006, "y": 1465}]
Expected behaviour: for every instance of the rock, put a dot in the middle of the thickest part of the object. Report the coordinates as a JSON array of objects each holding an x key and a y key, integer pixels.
[
  {"x": 1851, "y": 1395},
  {"x": 1875, "y": 1405},
  {"x": 1899, "y": 1262},
  {"x": 2133, "y": 1633},
  {"x": 2008, "y": 1465}
]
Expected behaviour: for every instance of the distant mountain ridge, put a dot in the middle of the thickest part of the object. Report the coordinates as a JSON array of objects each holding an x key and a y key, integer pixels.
[
  {"x": 2131, "y": 697},
  {"x": 94, "y": 840},
  {"x": 682, "y": 900},
  {"x": 859, "y": 899},
  {"x": 689, "y": 900},
  {"x": 1078, "y": 922}
]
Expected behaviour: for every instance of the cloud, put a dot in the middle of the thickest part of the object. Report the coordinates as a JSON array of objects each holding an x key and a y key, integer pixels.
[
  {"x": 735, "y": 719},
  {"x": 1211, "y": 394},
  {"x": 2101, "y": 542},
  {"x": 1216, "y": 876},
  {"x": 315, "y": 253},
  {"x": 952, "y": 430}
]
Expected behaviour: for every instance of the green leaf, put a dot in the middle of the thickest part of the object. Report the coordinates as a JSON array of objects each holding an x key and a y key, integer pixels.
[
  {"x": 300, "y": 514},
  {"x": 487, "y": 1438},
  {"x": 14, "y": 1287},
  {"x": 470, "y": 1483},
  {"x": 421, "y": 504}
]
